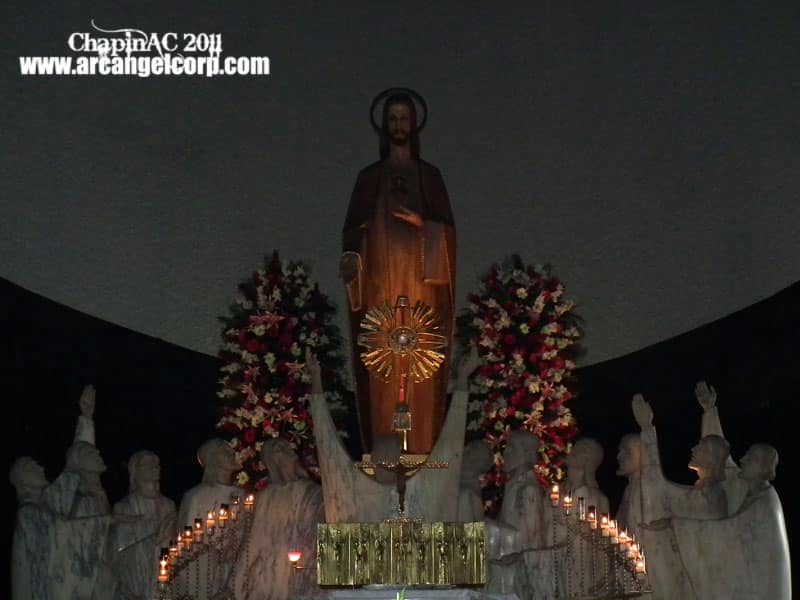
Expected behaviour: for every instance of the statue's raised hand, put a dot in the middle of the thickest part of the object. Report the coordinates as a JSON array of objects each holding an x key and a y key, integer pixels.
[
  {"x": 642, "y": 411},
  {"x": 87, "y": 401},
  {"x": 313, "y": 369},
  {"x": 706, "y": 395}
]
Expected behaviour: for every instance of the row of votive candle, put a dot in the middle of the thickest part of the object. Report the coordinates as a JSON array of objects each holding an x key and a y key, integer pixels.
[
  {"x": 194, "y": 533},
  {"x": 608, "y": 527}
]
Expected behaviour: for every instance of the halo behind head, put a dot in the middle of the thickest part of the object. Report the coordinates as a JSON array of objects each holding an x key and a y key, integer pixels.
[{"x": 419, "y": 101}]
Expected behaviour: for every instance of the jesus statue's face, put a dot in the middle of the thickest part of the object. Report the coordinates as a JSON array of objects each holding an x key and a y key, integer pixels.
[{"x": 398, "y": 124}]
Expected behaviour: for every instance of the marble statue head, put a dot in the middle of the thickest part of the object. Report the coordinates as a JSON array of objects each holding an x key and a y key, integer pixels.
[
  {"x": 586, "y": 456},
  {"x": 218, "y": 461},
  {"x": 144, "y": 473},
  {"x": 281, "y": 461},
  {"x": 83, "y": 457},
  {"x": 27, "y": 477},
  {"x": 629, "y": 457},
  {"x": 759, "y": 463},
  {"x": 709, "y": 456},
  {"x": 477, "y": 460},
  {"x": 522, "y": 449}
]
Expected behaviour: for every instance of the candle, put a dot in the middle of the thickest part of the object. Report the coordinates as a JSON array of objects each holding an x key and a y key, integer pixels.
[
  {"x": 223, "y": 515},
  {"x": 173, "y": 553},
  {"x": 554, "y": 494},
  {"x": 581, "y": 508},
  {"x": 187, "y": 536},
  {"x": 249, "y": 500},
  {"x": 294, "y": 557},
  {"x": 640, "y": 566},
  {"x": 198, "y": 529},
  {"x": 234, "y": 507},
  {"x": 604, "y": 524},
  {"x": 633, "y": 551},
  {"x": 624, "y": 538},
  {"x": 567, "y": 503},
  {"x": 591, "y": 516},
  {"x": 163, "y": 574},
  {"x": 210, "y": 522},
  {"x": 180, "y": 541},
  {"x": 613, "y": 532}
]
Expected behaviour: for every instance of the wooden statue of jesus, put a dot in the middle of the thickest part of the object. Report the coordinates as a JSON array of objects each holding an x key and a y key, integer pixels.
[{"x": 399, "y": 240}]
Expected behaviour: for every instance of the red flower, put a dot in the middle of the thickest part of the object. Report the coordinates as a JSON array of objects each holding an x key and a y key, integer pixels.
[
  {"x": 253, "y": 346},
  {"x": 250, "y": 436}
]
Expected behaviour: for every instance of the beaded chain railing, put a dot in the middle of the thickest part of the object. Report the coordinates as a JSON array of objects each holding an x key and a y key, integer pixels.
[
  {"x": 594, "y": 558},
  {"x": 199, "y": 564}
]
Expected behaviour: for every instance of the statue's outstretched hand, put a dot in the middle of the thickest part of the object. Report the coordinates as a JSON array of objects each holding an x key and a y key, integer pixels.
[
  {"x": 87, "y": 401},
  {"x": 466, "y": 368},
  {"x": 120, "y": 519},
  {"x": 706, "y": 395},
  {"x": 642, "y": 411},
  {"x": 313, "y": 369},
  {"x": 657, "y": 525}
]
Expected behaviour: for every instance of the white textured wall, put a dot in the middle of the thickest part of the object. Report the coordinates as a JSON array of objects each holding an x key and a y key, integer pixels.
[{"x": 652, "y": 157}]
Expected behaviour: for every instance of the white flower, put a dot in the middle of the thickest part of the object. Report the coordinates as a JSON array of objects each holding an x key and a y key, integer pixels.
[
  {"x": 550, "y": 328},
  {"x": 522, "y": 293},
  {"x": 269, "y": 359},
  {"x": 259, "y": 330},
  {"x": 524, "y": 328},
  {"x": 241, "y": 480},
  {"x": 485, "y": 341}
]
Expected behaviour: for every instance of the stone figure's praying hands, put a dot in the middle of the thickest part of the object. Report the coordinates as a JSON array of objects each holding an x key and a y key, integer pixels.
[
  {"x": 87, "y": 401},
  {"x": 642, "y": 412}
]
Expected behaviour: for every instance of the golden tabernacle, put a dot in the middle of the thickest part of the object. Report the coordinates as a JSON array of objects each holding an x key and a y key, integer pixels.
[{"x": 401, "y": 553}]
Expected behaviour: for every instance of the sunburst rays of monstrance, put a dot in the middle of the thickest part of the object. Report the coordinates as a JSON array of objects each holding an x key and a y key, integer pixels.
[{"x": 402, "y": 341}]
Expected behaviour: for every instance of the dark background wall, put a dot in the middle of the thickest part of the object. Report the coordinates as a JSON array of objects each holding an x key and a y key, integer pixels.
[{"x": 151, "y": 394}]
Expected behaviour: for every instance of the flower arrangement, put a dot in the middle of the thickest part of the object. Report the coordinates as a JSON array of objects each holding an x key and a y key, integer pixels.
[
  {"x": 264, "y": 387},
  {"x": 526, "y": 334}
]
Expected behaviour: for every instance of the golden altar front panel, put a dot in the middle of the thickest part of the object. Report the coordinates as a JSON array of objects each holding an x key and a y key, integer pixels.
[{"x": 352, "y": 554}]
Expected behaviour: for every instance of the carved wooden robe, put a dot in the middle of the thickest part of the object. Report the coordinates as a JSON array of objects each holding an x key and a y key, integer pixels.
[{"x": 397, "y": 258}]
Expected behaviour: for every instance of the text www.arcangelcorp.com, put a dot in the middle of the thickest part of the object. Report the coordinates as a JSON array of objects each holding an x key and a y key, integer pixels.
[{"x": 144, "y": 66}]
